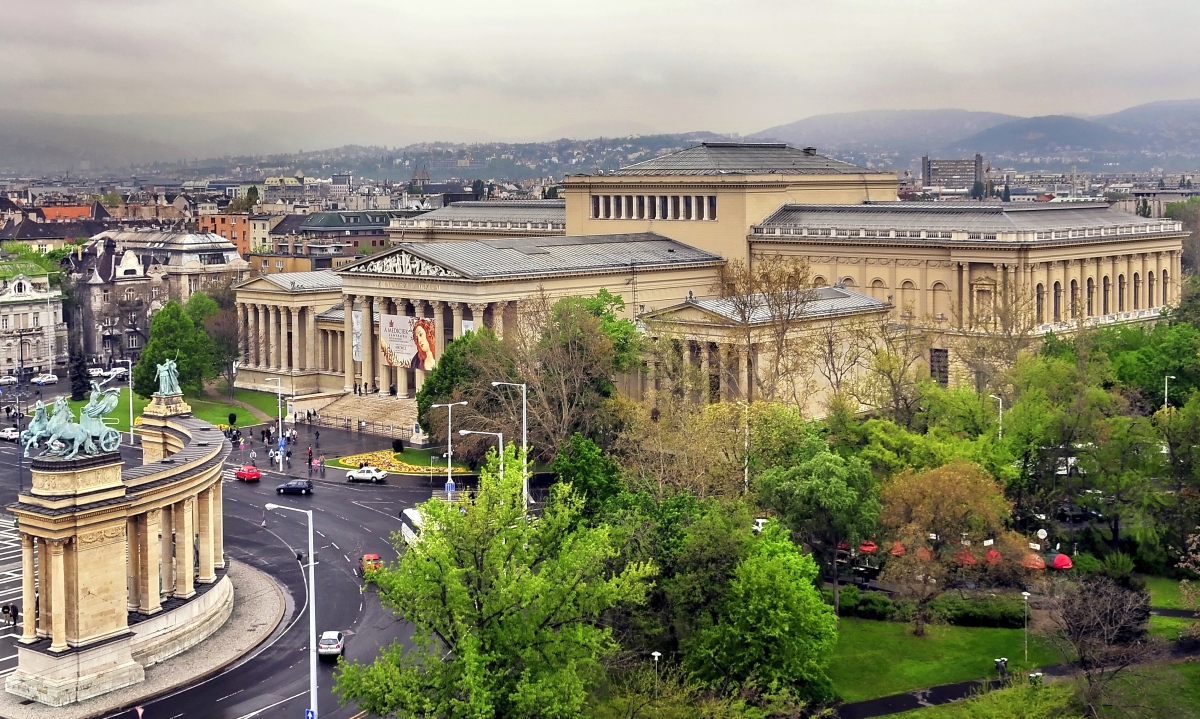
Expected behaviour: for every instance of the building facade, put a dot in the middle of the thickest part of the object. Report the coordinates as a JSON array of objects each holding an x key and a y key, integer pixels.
[
  {"x": 33, "y": 331},
  {"x": 232, "y": 227}
]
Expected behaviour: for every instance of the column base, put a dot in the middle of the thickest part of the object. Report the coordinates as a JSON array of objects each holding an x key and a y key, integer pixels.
[{"x": 76, "y": 675}]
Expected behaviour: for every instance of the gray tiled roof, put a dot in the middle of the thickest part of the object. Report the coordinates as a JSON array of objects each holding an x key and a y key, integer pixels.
[
  {"x": 501, "y": 258},
  {"x": 827, "y": 301},
  {"x": 502, "y": 211},
  {"x": 302, "y": 281},
  {"x": 970, "y": 217},
  {"x": 741, "y": 158}
]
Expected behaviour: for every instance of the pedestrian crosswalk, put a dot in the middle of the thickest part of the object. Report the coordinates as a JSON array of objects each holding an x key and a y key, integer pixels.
[
  {"x": 10, "y": 591},
  {"x": 228, "y": 475}
]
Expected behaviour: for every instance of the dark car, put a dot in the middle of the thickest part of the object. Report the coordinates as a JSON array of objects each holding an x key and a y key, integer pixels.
[{"x": 296, "y": 486}]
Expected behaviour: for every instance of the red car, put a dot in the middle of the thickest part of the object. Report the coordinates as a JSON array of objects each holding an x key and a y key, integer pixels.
[
  {"x": 248, "y": 473},
  {"x": 368, "y": 563}
]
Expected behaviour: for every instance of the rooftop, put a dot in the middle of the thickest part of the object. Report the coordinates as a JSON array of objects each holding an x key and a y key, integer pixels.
[
  {"x": 548, "y": 214},
  {"x": 168, "y": 240},
  {"x": 305, "y": 281},
  {"x": 955, "y": 221},
  {"x": 502, "y": 258},
  {"x": 741, "y": 158},
  {"x": 826, "y": 301}
]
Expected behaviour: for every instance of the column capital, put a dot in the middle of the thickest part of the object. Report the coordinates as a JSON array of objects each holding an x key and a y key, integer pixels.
[
  {"x": 477, "y": 306},
  {"x": 436, "y": 304},
  {"x": 57, "y": 545}
]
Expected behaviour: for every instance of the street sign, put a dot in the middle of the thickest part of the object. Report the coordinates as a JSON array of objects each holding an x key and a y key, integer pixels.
[{"x": 310, "y": 714}]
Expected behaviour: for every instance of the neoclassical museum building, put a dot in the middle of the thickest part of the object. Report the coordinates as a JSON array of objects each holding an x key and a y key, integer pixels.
[{"x": 657, "y": 232}]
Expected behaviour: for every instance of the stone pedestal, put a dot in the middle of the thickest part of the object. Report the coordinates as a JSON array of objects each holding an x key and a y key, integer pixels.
[
  {"x": 74, "y": 675},
  {"x": 157, "y": 444}
]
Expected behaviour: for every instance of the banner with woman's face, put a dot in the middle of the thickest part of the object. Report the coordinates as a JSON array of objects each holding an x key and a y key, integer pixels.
[{"x": 408, "y": 341}]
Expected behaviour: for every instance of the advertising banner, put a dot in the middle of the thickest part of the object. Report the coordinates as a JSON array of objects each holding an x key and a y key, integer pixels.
[
  {"x": 408, "y": 341},
  {"x": 356, "y": 335}
]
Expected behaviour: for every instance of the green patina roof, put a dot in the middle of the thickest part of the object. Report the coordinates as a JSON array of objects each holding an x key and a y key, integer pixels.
[{"x": 12, "y": 268}]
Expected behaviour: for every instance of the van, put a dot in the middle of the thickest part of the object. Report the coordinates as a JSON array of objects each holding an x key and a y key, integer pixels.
[{"x": 411, "y": 523}]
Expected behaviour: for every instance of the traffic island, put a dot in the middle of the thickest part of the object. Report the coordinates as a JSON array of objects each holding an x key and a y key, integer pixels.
[{"x": 258, "y": 611}]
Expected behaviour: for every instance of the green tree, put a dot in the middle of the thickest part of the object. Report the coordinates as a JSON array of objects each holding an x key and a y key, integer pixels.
[
  {"x": 245, "y": 203},
  {"x": 458, "y": 369},
  {"x": 174, "y": 336},
  {"x": 200, "y": 307},
  {"x": 505, "y": 610},
  {"x": 1007, "y": 196},
  {"x": 773, "y": 629},
  {"x": 977, "y": 190},
  {"x": 477, "y": 189},
  {"x": 582, "y": 464},
  {"x": 1120, "y": 464},
  {"x": 825, "y": 499}
]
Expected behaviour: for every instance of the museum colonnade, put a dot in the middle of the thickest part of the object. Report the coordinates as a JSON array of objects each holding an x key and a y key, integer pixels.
[{"x": 170, "y": 548}]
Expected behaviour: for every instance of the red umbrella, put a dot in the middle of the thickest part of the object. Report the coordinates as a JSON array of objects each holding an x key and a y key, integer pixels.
[
  {"x": 1062, "y": 561},
  {"x": 1033, "y": 561},
  {"x": 924, "y": 554},
  {"x": 992, "y": 558},
  {"x": 867, "y": 547},
  {"x": 964, "y": 557},
  {"x": 844, "y": 546},
  {"x": 898, "y": 549}
]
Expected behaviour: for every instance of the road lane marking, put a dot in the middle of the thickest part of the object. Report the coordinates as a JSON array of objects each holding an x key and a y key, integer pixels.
[
  {"x": 270, "y": 706},
  {"x": 239, "y": 691},
  {"x": 347, "y": 558},
  {"x": 335, "y": 546}
]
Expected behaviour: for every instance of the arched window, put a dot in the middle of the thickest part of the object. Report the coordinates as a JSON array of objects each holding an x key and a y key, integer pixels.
[
  {"x": 1107, "y": 292},
  {"x": 848, "y": 281},
  {"x": 1091, "y": 297},
  {"x": 819, "y": 281},
  {"x": 1074, "y": 301},
  {"x": 1135, "y": 296},
  {"x": 941, "y": 300},
  {"x": 20, "y": 288},
  {"x": 129, "y": 294},
  {"x": 879, "y": 289},
  {"x": 908, "y": 297},
  {"x": 1120, "y": 293},
  {"x": 1057, "y": 301},
  {"x": 1041, "y": 303}
]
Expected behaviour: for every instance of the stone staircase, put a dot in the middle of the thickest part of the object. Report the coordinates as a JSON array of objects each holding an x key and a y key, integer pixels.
[{"x": 379, "y": 414}]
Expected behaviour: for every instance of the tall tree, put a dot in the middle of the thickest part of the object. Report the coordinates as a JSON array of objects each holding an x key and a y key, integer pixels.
[
  {"x": 505, "y": 610},
  {"x": 224, "y": 344},
  {"x": 79, "y": 375},
  {"x": 174, "y": 336},
  {"x": 824, "y": 498}
]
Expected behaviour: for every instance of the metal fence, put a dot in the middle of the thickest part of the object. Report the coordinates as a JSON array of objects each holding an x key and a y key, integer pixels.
[{"x": 364, "y": 426}]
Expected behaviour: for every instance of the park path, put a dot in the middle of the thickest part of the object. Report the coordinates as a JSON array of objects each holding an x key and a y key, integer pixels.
[
  {"x": 210, "y": 391},
  {"x": 947, "y": 693}
]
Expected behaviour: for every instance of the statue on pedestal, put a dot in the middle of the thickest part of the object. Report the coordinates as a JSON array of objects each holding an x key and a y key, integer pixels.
[
  {"x": 64, "y": 436},
  {"x": 168, "y": 378}
]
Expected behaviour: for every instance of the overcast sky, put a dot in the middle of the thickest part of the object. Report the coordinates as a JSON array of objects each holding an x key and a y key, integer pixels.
[{"x": 510, "y": 69}]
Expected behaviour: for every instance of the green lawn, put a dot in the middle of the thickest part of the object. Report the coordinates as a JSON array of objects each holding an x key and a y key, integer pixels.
[
  {"x": 1168, "y": 627},
  {"x": 121, "y": 413},
  {"x": 212, "y": 412},
  {"x": 262, "y": 401},
  {"x": 874, "y": 659},
  {"x": 1164, "y": 593}
]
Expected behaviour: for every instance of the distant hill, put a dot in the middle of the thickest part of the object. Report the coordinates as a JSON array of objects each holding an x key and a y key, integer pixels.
[
  {"x": 1046, "y": 135},
  {"x": 903, "y": 131},
  {"x": 1167, "y": 126}
]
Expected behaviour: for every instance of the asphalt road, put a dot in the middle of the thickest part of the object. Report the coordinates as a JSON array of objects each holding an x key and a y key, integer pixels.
[{"x": 273, "y": 681}]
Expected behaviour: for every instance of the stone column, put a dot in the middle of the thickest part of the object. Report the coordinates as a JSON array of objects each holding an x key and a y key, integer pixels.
[
  {"x": 310, "y": 338},
  {"x": 184, "y": 530},
  {"x": 348, "y": 344},
  {"x": 167, "y": 559},
  {"x": 243, "y": 333},
  {"x": 44, "y": 588},
  {"x": 705, "y": 378},
  {"x": 401, "y": 372},
  {"x": 477, "y": 310},
  {"x": 1176, "y": 275},
  {"x": 498, "y": 309},
  {"x": 133, "y": 568},
  {"x": 1128, "y": 283},
  {"x": 218, "y": 510},
  {"x": 291, "y": 360},
  {"x": 273, "y": 338},
  {"x": 745, "y": 373},
  {"x": 260, "y": 336},
  {"x": 58, "y": 596},
  {"x": 204, "y": 516},
  {"x": 369, "y": 354},
  {"x": 150, "y": 550},
  {"x": 28, "y": 591},
  {"x": 439, "y": 325},
  {"x": 457, "y": 310}
]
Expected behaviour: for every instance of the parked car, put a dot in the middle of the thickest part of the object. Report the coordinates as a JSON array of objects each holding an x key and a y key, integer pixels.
[
  {"x": 367, "y": 563},
  {"x": 331, "y": 644},
  {"x": 96, "y": 372},
  {"x": 118, "y": 372},
  {"x": 48, "y": 378},
  {"x": 411, "y": 523},
  {"x": 8, "y": 379},
  {"x": 367, "y": 474},
  {"x": 296, "y": 486},
  {"x": 12, "y": 434},
  {"x": 249, "y": 473}
]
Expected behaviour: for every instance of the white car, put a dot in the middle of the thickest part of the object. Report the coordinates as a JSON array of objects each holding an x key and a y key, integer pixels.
[
  {"x": 48, "y": 378},
  {"x": 118, "y": 372},
  {"x": 331, "y": 644},
  {"x": 96, "y": 372},
  {"x": 367, "y": 474},
  {"x": 12, "y": 434},
  {"x": 8, "y": 379}
]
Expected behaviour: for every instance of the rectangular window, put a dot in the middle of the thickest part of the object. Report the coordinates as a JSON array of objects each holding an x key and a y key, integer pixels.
[
  {"x": 608, "y": 207},
  {"x": 939, "y": 366},
  {"x": 630, "y": 213},
  {"x": 37, "y": 319},
  {"x": 712, "y": 207},
  {"x": 641, "y": 207},
  {"x": 687, "y": 207},
  {"x": 3, "y": 323},
  {"x": 595, "y": 207}
]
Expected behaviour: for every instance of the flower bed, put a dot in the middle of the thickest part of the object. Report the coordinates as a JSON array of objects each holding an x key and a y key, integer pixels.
[{"x": 385, "y": 459}]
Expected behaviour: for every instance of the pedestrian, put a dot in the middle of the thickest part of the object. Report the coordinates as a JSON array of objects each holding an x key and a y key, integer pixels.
[
  {"x": 321, "y": 464},
  {"x": 310, "y": 453},
  {"x": 289, "y": 457},
  {"x": 317, "y": 438},
  {"x": 253, "y": 458},
  {"x": 13, "y": 613}
]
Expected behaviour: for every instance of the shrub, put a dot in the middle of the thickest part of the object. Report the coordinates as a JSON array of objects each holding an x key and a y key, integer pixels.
[
  {"x": 1086, "y": 563},
  {"x": 980, "y": 611},
  {"x": 848, "y": 599},
  {"x": 233, "y": 419},
  {"x": 397, "y": 445},
  {"x": 875, "y": 605}
]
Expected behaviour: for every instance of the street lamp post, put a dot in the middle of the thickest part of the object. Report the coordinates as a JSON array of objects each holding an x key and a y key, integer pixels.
[
  {"x": 312, "y": 604},
  {"x": 524, "y": 435},
  {"x": 1166, "y": 387},
  {"x": 449, "y": 438},
  {"x": 129, "y": 381},
  {"x": 1025, "y": 595},
  {"x": 656, "y": 655},
  {"x": 1000, "y": 399},
  {"x": 499, "y": 443},
  {"x": 279, "y": 410}
]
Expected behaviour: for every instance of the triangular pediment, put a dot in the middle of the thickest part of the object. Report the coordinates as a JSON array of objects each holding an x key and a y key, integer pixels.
[
  {"x": 400, "y": 262},
  {"x": 686, "y": 313}
]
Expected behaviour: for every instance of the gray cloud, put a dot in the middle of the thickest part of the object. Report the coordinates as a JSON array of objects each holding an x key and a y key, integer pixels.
[{"x": 523, "y": 70}]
